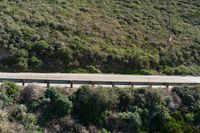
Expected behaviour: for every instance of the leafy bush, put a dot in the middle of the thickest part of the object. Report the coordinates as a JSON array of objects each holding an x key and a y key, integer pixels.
[
  {"x": 172, "y": 126},
  {"x": 104, "y": 131},
  {"x": 126, "y": 99},
  {"x": 131, "y": 122},
  {"x": 92, "y": 69},
  {"x": 5, "y": 100},
  {"x": 19, "y": 114},
  {"x": 156, "y": 120},
  {"x": 11, "y": 89},
  {"x": 6, "y": 126},
  {"x": 8, "y": 93},
  {"x": 197, "y": 120},
  {"x": 189, "y": 118},
  {"x": 190, "y": 97},
  {"x": 57, "y": 105},
  {"x": 90, "y": 105},
  {"x": 124, "y": 122},
  {"x": 182, "y": 70}
]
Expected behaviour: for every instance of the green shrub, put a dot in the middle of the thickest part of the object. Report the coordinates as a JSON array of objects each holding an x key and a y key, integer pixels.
[
  {"x": 156, "y": 120},
  {"x": 104, "y": 131},
  {"x": 131, "y": 121},
  {"x": 19, "y": 114},
  {"x": 172, "y": 127},
  {"x": 30, "y": 121},
  {"x": 181, "y": 70},
  {"x": 189, "y": 117},
  {"x": 197, "y": 120},
  {"x": 11, "y": 89},
  {"x": 57, "y": 105},
  {"x": 5, "y": 100},
  {"x": 92, "y": 69},
  {"x": 22, "y": 64},
  {"x": 189, "y": 96},
  {"x": 177, "y": 123},
  {"x": 90, "y": 105},
  {"x": 5, "y": 125},
  {"x": 35, "y": 63},
  {"x": 126, "y": 99},
  {"x": 124, "y": 122}
]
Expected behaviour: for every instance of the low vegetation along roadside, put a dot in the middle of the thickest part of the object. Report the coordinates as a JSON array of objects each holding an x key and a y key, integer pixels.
[
  {"x": 98, "y": 110},
  {"x": 108, "y": 36}
]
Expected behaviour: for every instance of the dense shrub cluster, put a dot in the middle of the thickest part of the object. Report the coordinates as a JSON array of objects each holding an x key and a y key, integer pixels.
[
  {"x": 19, "y": 114},
  {"x": 136, "y": 110},
  {"x": 115, "y": 36},
  {"x": 11, "y": 89},
  {"x": 102, "y": 110},
  {"x": 58, "y": 104},
  {"x": 90, "y": 105},
  {"x": 8, "y": 93}
]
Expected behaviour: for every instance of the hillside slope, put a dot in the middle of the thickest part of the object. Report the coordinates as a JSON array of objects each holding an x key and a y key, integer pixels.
[
  {"x": 119, "y": 36},
  {"x": 34, "y": 109}
]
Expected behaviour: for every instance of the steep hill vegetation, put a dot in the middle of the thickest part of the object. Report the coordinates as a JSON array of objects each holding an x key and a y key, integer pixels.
[
  {"x": 98, "y": 110},
  {"x": 119, "y": 36}
]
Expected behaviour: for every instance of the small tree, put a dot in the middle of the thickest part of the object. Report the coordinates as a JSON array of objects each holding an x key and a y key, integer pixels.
[{"x": 57, "y": 105}]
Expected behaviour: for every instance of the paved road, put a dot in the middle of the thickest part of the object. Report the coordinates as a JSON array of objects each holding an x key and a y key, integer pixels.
[{"x": 102, "y": 77}]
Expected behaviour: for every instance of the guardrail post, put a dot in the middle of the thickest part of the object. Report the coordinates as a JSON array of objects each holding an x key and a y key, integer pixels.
[
  {"x": 113, "y": 85},
  {"x": 167, "y": 86},
  {"x": 92, "y": 83},
  {"x": 132, "y": 85},
  {"x": 71, "y": 84},
  {"x": 48, "y": 83},
  {"x": 150, "y": 86},
  {"x": 23, "y": 83}
]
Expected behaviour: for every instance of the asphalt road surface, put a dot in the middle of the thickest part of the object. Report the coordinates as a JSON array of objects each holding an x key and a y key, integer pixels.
[{"x": 102, "y": 77}]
